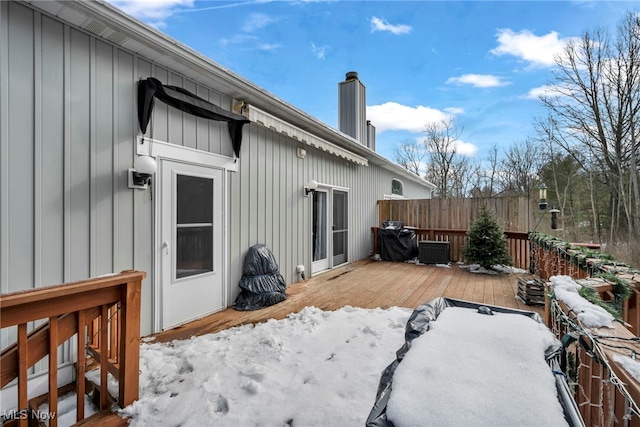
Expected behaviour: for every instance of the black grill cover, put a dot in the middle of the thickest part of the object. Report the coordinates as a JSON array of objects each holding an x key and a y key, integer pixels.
[
  {"x": 397, "y": 245},
  {"x": 261, "y": 284}
]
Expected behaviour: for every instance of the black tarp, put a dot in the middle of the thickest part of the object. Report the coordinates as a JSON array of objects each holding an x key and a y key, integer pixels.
[
  {"x": 418, "y": 324},
  {"x": 261, "y": 284},
  {"x": 183, "y": 100},
  {"x": 396, "y": 243}
]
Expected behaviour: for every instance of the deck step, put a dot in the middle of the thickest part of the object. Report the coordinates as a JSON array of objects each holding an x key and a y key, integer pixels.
[{"x": 103, "y": 419}]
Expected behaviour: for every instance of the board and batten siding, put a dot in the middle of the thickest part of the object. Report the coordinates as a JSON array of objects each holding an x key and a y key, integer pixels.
[
  {"x": 68, "y": 126},
  {"x": 68, "y": 123},
  {"x": 268, "y": 206},
  {"x": 63, "y": 149}
]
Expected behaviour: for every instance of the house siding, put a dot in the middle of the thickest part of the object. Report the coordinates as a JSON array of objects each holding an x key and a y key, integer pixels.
[{"x": 68, "y": 123}]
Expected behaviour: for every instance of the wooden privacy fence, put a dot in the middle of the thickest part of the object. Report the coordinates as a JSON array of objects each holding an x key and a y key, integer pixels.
[
  {"x": 517, "y": 243},
  {"x": 512, "y": 213},
  {"x": 102, "y": 313}
]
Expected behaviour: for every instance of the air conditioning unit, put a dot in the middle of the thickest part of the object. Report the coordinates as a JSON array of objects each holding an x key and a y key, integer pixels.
[{"x": 433, "y": 252}]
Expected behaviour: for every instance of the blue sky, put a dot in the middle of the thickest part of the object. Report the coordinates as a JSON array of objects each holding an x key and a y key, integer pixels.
[{"x": 482, "y": 62}]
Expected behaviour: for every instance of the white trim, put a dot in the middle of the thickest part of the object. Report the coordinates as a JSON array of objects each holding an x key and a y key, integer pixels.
[
  {"x": 156, "y": 148},
  {"x": 172, "y": 152},
  {"x": 272, "y": 122},
  {"x": 393, "y": 197},
  {"x": 329, "y": 189}
]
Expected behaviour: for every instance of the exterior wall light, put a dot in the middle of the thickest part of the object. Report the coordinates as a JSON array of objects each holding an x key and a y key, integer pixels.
[
  {"x": 542, "y": 204},
  {"x": 311, "y": 187},
  {"x": 140, "y": 174}
]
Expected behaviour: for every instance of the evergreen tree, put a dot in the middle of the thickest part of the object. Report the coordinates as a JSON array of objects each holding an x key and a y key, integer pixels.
[{"x": 486, "y": 244}]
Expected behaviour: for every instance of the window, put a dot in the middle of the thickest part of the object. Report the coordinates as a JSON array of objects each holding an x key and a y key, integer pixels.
[{"x": 397, "y": 187}]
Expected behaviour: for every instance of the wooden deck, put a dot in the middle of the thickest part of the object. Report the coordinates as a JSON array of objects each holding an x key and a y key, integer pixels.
[
  {"x": 364, "y": 283},
  {"x": 370, "y": 284}
]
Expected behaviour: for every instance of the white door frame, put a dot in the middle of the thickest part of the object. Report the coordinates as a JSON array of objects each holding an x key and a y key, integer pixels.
[
  {"x": 166, "y": 151},
  {"x": 329, "y": 190},
  {"x": 198, "y": 292},
  {"x": 323, "y": 264}
]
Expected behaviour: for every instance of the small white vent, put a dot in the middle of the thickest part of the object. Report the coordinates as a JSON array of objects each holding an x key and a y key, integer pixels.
[
  {"x": 95, "y": 27},
  {"x": 117, "y": 38}
]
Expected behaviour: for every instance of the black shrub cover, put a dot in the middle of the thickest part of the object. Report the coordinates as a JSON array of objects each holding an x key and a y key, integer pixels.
[{"x": 261, "y": 284}]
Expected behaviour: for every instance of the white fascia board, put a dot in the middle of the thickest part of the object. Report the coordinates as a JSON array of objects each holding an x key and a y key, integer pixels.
[{"x": 270, "y": 121}]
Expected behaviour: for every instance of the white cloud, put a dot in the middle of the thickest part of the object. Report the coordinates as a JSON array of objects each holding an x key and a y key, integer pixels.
[
  {"x": 256, "y": 21},
  {"x": 379, "y": 24},
  {"x": 237, "y": 39},
  {"x": 461, "y": 147},
  {"x": 267, "y": 47},
  {"x": 465, "y": 148},
  {"x": 546, "y": 90},
  {"x": 538, "y": 50},
  {"x": 153, "y": 12},
  {"x": 478, "y": 80},
  {"x": 454, "y": 111},
  {"x": 319, "y": 51},
  {"x": 394, "y": 116}
]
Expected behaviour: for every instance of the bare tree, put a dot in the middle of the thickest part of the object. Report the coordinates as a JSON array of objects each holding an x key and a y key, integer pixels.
[
  {"x": 519, "y": 168},
  {"x": 596, "y": 108},
  {"x": 440, "y": 142},
  {"x": 461, "y": 177},
  {"x": 409, "y": 154}
]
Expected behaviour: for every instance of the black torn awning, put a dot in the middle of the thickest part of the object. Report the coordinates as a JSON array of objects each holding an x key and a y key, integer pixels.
[{"x": 183, "y": 100}]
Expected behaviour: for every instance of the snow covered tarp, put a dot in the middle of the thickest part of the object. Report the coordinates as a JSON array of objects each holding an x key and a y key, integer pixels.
[
  {"x": 261, "y": 284},
  {"x": 479, "y": 365}
]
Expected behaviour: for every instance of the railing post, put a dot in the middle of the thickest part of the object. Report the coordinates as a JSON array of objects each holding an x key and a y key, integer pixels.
[
  {"x": 23, "y": 401},
  {"x": 104, "y": 357},
  {"x": 80, "y": 365},
  {"x": 129, "y": 359},
  {"x": 53, "y": 369}
]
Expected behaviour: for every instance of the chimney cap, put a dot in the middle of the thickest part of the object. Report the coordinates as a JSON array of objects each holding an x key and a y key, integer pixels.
[{"x": 351, "y": 75}]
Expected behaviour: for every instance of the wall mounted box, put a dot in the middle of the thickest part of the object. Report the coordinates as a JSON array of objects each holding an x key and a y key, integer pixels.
[{"x": 433, "y": 252}]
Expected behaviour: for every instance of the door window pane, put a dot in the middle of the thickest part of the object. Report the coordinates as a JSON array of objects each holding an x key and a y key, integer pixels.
[
  {"x": 319, "y": 225},
  {"x": 340, "y": 227},
  {"x": 194, "y": 225},
  {"x": 194, "y": 250},
  {"x": 195, "y": 199},
  {"x": 339, "y": 210}
]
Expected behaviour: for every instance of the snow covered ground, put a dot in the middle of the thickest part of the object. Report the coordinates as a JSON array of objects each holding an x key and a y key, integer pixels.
[{"x": 314, "y": 368}]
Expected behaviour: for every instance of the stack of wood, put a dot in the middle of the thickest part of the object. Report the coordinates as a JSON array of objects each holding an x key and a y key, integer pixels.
[{"x": 531, "y": 290}]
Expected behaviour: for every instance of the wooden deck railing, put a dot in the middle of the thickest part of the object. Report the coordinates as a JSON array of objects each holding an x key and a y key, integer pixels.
[
  {"x": 606, "y": 394},
  {"x": 104, "y": 314},
  {"x": 517, "y": 243},
  {"x": 549, "y": 262}
]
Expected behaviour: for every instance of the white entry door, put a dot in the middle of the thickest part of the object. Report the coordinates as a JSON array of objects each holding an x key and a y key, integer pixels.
[
  {"x": 330, "y": 230},
  {"x": 191, "y": 242}
]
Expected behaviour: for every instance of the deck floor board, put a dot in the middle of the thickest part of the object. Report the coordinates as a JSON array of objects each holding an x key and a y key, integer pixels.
[{"x": 369, "y": 284}]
